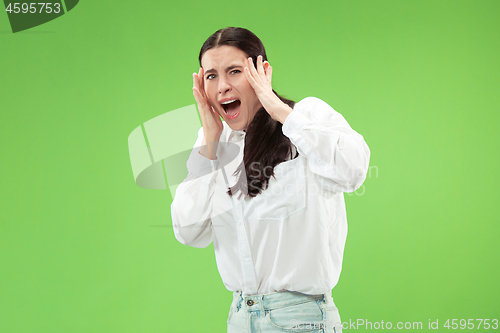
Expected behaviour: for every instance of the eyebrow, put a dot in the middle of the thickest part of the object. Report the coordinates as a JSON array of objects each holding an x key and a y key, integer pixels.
[{"x": 227, "y": 69}]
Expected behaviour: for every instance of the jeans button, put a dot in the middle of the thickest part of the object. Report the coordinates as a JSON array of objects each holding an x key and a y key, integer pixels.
[{"x": 250, "y": 302}]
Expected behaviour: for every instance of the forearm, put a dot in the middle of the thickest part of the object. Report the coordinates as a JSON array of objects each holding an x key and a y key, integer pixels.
[{"x": 280, "y": 111}]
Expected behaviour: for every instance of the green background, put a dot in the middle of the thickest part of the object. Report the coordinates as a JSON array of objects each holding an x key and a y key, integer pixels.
[{"x": 84, "y": 249}]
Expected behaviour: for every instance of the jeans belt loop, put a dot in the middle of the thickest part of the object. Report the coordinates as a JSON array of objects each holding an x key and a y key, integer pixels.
[{"x": 261, "y": 301}]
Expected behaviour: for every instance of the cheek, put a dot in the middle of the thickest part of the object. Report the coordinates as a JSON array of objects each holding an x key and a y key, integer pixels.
[
  {"x": 209, "y": 92},
  {"x": 246, "y": 89}
]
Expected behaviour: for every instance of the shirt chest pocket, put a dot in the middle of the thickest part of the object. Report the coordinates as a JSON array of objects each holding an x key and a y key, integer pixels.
[{"x": 286, "y": 194}]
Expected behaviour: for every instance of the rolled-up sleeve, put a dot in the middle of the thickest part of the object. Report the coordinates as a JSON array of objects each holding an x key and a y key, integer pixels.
[{"x": 334, "y": 151}]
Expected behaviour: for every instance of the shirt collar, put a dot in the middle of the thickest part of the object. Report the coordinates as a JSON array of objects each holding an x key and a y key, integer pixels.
[{"x": 237, "y": 135}]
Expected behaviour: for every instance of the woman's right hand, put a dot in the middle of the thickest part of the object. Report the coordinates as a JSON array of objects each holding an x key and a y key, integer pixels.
[{"x": 210, "y": 119}]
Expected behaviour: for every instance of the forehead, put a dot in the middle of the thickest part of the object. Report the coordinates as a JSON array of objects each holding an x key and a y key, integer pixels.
[{"x": 222, "y": 56}]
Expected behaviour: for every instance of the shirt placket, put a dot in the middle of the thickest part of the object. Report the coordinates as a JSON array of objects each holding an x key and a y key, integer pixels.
[{"x": 247, "y": 267}]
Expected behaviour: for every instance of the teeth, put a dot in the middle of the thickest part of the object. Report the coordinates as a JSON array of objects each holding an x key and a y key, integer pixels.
[{"x": 233, "y": 100}]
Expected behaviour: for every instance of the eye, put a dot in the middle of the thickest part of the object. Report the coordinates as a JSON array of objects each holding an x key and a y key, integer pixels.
[
  {"x": 211, "y": 77},
  {"x": 235, "y": 71}
]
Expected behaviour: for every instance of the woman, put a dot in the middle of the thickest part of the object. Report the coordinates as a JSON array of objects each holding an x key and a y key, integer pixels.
[{"x": 266, "y": 187}]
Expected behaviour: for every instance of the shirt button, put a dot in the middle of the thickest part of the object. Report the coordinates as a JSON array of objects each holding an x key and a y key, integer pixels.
[{"x": 250, "y": 302}]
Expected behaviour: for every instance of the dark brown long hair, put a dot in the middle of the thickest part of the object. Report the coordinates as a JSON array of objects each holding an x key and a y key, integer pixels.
[{"x": 265, "y": 144}]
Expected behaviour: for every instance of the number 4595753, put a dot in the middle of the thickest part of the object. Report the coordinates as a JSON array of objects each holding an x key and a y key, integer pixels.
[
  {"x": 32, "y": 8},
  {"x": 471, "y": 323}
]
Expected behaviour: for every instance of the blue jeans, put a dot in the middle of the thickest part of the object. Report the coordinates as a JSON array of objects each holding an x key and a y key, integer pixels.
[{"x": 283, "y": 311}]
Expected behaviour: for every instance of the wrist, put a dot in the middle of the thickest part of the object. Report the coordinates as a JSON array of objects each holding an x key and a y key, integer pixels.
[
  {"x": 281, "y": 112},
  {"x": 209, "y": 147},
  {"x": 277, "y": 109},
  {"x": 209, "y": 150}
]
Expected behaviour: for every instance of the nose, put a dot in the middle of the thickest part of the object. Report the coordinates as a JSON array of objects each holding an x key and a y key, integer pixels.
[{"x": 224, "y": 85}]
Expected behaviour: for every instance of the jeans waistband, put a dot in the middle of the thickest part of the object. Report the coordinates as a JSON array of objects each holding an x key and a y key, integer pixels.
[{"x": 275, "y": 300}]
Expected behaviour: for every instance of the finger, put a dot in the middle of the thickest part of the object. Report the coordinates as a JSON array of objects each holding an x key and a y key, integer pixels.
[
  {"x": 201, "y": 81},
  {"x": 195, "y": 80},
  {"x": 257, "y": 79},
  {"x": 201, "y": 85},
  {"x": 196, "y": 88},
  {"x": 269, "y": 73},
  {"x": 250, "y": 78},
  {"x": 251, "y": 68},
  {"x": 197, "y": 92},
  {"x": 199, "y": 99},
  {"x": 260, "y": 68}
]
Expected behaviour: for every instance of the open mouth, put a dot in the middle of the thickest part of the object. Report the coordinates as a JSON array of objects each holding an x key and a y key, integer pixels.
[{"x": 232, "y": 108}]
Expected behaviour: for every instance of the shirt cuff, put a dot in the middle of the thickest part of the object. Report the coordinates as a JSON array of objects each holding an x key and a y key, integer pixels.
[
  {"x": 200, "y": 165},
  {"x": 294, "y": 123}
]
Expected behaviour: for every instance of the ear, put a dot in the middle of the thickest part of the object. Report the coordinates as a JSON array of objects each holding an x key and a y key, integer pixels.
[{"x": 268, "y": 71}]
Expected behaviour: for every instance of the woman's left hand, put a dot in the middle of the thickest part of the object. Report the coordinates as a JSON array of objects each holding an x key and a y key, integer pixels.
[{"x": 260, "y": 80}]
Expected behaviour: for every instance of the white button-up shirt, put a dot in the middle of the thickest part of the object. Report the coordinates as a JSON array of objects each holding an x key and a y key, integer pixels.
[{"x": 292, "y": 235}]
